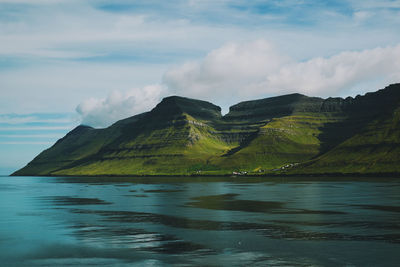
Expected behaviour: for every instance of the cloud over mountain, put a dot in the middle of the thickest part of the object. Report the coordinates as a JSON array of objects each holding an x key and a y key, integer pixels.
[
  {"x": 118, "y": 105},
  {"x": 228, "y": 69},
  {"x": 238, "y": 71},
  {"x": 257, "y": 69}
]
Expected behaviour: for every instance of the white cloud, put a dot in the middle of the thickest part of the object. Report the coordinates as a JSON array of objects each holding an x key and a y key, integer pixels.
[
  {"x": 225, "y": 70},
  {"x": 119, "y": 105},
  {"x": 256, "y": 69},
  {"x": 251, "y": 70},
  {"x": 334, "y": 75},
  {"x": 73, "y": 50},
  {"x": 60, "y": 86}
]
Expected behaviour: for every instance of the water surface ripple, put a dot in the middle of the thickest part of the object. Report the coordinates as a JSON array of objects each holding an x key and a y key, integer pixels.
[{"x": 48, "y": 221}]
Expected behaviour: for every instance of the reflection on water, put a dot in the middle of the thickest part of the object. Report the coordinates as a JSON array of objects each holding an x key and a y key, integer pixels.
[
  {"x": 162, "y": 191},
  {"x": 64, "y": 200},
  {"x": 379, "y": 207},
  {"x": 274, "y": 230},
  {"x": 200, "y": 221},
  {"x": 228, "y": 202}
]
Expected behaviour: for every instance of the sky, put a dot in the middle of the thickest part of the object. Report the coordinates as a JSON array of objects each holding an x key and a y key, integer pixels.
[{"x": 67, "y": 62}]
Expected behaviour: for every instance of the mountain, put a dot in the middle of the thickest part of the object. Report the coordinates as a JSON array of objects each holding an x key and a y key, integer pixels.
[{"x": 290, "y": 134}]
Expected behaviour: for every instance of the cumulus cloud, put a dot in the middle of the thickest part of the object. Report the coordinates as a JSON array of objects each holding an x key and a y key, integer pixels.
[
  {"x": 251, "y": 70},
  {"x": 226, "y": 70},
  {"x": 119, "y": 105},
  {"x": 333, "y": 75},
  {"x": 258, "y": 69}
]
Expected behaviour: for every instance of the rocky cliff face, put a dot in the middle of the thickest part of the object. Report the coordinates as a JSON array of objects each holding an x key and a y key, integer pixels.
[{"x": 187, "y": 136}]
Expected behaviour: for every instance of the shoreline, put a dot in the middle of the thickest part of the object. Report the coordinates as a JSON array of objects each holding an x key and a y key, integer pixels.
[{"x": 321, "y": 175}]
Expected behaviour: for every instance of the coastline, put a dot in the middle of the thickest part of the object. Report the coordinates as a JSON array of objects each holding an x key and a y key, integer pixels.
[{"x": 312, "y": 176}]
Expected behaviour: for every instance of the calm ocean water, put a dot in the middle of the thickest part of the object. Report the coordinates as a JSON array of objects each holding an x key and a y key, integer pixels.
[{"x": 50, "y": 221}]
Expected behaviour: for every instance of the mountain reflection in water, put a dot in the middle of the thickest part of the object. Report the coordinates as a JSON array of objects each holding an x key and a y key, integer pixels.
[{"x": 199, "y": 221}]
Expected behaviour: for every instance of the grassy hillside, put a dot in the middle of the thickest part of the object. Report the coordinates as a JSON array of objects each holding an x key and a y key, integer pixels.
[
  {"x": 291, "y": 134},
  {"x": 375, "y": 149},
  {"x": 290, "y": 139}
]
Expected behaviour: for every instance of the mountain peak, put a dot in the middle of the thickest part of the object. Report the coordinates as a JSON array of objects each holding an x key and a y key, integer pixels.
[
  {"x": 175, "y": 105},
  {"x": 80, "y": 128},
  {"x": 274, "y": 106}
]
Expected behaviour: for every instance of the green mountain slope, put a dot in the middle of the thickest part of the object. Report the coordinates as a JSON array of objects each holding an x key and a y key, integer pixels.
[
  {"x": 375, "y": 149},
  {"x": 291, "y": 134}
]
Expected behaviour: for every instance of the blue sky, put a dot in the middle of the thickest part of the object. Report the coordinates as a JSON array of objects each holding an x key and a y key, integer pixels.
[
  {"x": 23, "y": 136},
  {"x": 64, "y": 62}
]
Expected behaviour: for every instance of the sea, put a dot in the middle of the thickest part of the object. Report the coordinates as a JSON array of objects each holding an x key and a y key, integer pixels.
[{"x": 199, "y": 221}]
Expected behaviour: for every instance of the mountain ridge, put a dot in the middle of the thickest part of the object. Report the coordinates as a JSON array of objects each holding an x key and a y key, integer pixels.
[{"x": 290, "y": 134}]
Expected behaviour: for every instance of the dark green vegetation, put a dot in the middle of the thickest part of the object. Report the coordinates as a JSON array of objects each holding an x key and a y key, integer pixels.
[{"x": 290, "y": 134}]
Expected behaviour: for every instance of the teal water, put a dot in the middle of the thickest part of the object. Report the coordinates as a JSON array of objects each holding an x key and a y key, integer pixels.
[{"x": 50, "y": 221}]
